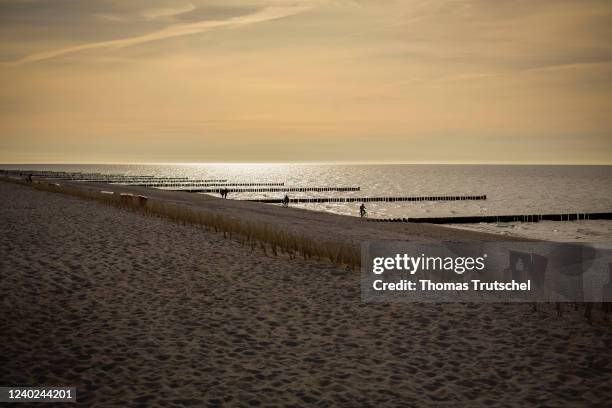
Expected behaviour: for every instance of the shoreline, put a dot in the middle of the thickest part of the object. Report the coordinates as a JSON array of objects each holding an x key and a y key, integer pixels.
[
  {"x": 576, "y": 231},
  {"x": 306, "y": 222}
]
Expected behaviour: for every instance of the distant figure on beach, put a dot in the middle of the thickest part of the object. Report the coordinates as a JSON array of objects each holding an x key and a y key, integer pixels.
[
  {"x": 286, "y": 201},
  {"x": 224, "y": 192},
  {"x": 29, "y": 178},
  {"x": 362, "y": 210}
]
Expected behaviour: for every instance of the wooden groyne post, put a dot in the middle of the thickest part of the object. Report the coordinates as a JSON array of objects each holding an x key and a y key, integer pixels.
[
  {"x": 502, "y": 218},
  {"x": 198, "y": 183},
  {"x": 267, "y": 189},
  {"x": 370, "y": 199}
]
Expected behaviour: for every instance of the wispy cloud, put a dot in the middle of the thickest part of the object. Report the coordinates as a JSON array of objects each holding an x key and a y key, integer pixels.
[
  {"x": 168, "y": 11},
  {"x": 174, "y": 30}
]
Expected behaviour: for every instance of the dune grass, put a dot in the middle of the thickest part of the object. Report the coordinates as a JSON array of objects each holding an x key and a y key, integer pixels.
[{"x": 248, "y": 233}]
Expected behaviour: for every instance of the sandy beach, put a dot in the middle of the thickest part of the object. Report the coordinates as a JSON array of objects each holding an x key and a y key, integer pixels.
[{"x": 139, "y": 311}]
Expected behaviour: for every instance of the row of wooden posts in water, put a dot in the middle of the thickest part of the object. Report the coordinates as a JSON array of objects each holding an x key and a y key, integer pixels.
[
  {"x": 267, "y": 190},
  {"x": 502, "y": 218},
  {"x": 369, "y": 199},
  {"x": 62, "y": 175},
  {"x": 199, "y": 183},
  {"x": 104, "y": 178}
]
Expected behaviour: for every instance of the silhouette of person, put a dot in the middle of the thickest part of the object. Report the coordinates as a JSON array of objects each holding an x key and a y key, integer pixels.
[
  {"x": 362, "y": 210},
  {"x": 286, "y": 201}
]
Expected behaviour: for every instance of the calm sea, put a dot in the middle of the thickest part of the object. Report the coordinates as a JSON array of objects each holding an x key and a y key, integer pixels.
[{"x": 516, "y": 189}]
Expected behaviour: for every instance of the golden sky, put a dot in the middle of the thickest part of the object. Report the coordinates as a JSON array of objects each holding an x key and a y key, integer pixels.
[{"x": 306, "y": 80}]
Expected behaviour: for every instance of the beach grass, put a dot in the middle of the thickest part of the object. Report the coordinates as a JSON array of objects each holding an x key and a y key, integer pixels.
[{"x": 246, "y": 232}]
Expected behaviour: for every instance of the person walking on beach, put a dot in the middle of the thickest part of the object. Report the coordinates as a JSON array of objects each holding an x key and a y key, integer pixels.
[
  {"x": 286, "y": 201},
  {"x": 362, "y": 210}
]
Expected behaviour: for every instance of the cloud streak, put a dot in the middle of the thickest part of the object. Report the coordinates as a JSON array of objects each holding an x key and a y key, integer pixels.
[
  {"x": 168, "y": 12},
  {"x": 175, "y": 30}
]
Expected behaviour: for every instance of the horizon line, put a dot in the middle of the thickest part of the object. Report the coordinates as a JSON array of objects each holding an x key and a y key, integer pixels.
[{"x": 364, "y": 162}]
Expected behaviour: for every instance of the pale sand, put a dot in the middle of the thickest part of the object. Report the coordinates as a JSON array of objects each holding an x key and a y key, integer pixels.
[
  {"x": 314, "y": 224},
  {"x": 134, "y": 310}
]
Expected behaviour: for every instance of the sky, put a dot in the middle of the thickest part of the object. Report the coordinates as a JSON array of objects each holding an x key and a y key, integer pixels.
[{"x": 446, "y": 81}]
